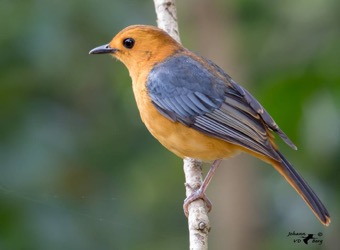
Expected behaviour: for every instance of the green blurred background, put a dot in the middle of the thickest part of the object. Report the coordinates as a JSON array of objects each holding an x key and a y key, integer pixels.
[{"x": 80, "y": 171}]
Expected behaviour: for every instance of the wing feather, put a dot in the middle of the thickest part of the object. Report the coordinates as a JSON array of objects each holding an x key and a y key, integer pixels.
[{"x": 201, "y": 95}]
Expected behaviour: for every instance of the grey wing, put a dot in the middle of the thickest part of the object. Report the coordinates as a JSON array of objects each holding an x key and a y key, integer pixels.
[
  {"x": 254, "y": 105},
  {"x": 185, "y": 91}
]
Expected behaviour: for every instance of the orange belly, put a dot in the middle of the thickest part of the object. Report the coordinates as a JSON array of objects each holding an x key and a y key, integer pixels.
[{"x": 186, "y": 142}]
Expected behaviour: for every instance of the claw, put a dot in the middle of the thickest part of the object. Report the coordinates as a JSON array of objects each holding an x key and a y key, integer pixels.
[{"x": 199, "y": 194}]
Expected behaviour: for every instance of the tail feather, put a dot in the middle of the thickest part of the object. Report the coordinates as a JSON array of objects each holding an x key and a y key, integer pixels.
[{"x": 304, "y": 190}]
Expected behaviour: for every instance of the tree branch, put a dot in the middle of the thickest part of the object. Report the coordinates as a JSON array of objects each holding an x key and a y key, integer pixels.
[
  {"x": 167, "y": 17},
  {"x": 198, "y": 220}
]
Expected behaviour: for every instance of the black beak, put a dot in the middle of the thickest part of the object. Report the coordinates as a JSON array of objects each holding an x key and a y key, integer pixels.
[{"x": 104, "y": 49}]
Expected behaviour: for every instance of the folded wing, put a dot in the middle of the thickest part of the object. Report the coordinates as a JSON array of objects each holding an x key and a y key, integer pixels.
[{"x": 202, "y": 96}]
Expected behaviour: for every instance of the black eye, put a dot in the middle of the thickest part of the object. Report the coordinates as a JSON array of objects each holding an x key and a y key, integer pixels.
[{"x": 128, "y": 43}]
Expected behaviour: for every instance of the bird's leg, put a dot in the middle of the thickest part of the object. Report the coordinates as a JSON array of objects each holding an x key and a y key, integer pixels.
[{"x": 200, "y": 193}]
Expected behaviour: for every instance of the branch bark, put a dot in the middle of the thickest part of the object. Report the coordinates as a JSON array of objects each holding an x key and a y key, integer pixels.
[
  {"x": 198, "y": 220},
  {"x": 167, "y": 17}
]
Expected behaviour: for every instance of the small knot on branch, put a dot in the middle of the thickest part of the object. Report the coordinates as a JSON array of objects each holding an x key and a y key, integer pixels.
[{"x": 202, "y": 226}]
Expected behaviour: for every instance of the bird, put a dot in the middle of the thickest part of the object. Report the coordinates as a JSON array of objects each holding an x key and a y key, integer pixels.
[{"x": 196, "y": 110}]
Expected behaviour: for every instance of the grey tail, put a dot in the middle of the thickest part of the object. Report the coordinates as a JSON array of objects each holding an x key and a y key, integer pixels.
[{"x": 303, "y": 189}]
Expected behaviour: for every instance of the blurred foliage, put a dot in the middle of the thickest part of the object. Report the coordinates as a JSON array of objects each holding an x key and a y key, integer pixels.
[{"x": 78, "y": 168}]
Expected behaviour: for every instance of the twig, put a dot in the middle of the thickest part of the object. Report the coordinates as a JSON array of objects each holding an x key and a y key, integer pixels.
[
  {"x": 198, "y": 221},
  {"x": 167, "y": 17}
]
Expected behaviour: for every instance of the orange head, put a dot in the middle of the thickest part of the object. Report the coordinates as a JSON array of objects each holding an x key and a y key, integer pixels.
[{"x": 140, "y": 47}]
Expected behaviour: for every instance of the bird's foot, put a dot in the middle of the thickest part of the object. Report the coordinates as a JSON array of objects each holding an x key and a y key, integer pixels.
[{"x": 198, "y": 194}]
